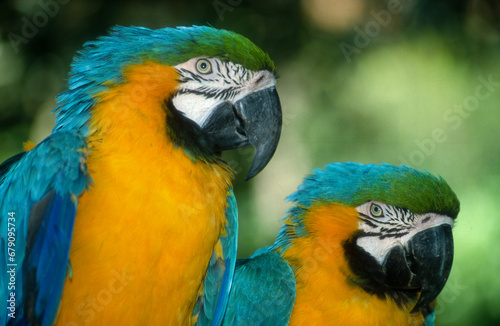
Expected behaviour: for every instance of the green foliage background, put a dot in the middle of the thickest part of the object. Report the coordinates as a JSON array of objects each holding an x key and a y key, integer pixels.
[{"x": 407, "y": 94}]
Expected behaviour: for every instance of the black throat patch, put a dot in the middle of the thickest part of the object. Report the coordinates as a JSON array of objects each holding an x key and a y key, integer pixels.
[
  {"x": 187, "y": 135},
  {"x": 371, "y": 276}
]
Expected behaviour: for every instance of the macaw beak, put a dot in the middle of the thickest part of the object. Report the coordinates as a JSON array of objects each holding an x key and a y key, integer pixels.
[
  {"x": 423, "y": 265},
  {"x": 254, "y": 119}
]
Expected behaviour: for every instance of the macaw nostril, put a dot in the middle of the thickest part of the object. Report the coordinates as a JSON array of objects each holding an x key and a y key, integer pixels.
[{"x": 259, "y": 80}]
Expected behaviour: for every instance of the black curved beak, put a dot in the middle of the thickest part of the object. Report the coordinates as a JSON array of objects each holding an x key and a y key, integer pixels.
[
  {"x": 254, "y": 119},
  {"x": 424, "y": 265},
  {"x": 431, "y": 257}
]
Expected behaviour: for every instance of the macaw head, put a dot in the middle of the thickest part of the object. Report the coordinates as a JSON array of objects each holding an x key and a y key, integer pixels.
[
  {"x": 216, "y": 85},
  {"x": 392, "y": 225}
]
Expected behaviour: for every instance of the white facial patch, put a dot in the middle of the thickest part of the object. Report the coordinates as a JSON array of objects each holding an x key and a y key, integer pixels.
[
  {"x": 392, "y": 226},
  {"x": 208, "y": 82},
  {"x": 195, "y": 107}
]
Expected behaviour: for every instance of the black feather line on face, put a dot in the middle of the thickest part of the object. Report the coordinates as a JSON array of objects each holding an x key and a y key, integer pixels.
[
  {"x": 187, "y": 75},
  {"x": 396, "y": 222},
  {"x": 239, "y": 75},
  {"x": 219, "y": 94}
]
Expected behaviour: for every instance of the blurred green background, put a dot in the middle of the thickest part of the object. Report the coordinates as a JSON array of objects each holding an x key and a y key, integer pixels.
[{"x": 402, "y": 82}]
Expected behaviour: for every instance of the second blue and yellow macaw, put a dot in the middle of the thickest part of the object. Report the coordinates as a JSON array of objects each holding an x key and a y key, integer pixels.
[
  {"x": 125, "y": 214},
  {"x": 362, "y": 245}
]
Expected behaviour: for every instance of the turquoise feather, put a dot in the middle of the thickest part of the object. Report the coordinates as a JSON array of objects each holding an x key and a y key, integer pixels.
[{"x": 44, "y": 216}]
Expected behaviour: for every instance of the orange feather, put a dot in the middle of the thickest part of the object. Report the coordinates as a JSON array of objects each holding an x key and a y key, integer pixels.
[{"x": 145, "y": 231}]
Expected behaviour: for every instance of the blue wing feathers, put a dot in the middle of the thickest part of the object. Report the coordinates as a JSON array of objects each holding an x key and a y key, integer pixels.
[
  {"x": 211, "y": 307},
  {"x": 229, "y": 245},
  {"x": 40, "y": 187},
  {"x": 263, "y": 291},
  {"x": 50, "y": 250}
]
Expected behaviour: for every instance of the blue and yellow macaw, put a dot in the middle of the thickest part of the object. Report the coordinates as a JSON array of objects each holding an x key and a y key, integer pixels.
[
  {"x": 125, "y": 214},
  {"x": 362, "y": 245}
]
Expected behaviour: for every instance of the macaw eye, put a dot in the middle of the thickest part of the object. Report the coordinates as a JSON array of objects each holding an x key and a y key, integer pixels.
[
  {"x": 203, "y": 66},
  {"x": 376, "y": 210}
]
